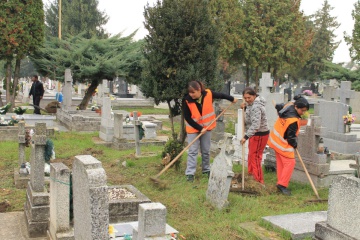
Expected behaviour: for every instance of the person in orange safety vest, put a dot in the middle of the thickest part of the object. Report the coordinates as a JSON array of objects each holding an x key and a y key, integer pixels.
[
  {"x": 283, "y": 139},
  {"x": 199, "y": 112}
]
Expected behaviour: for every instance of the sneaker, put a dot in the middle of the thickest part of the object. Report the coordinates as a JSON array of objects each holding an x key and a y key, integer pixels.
[
  {"x": 207, "y": 173},
  {"x": 190, "y": 178},
  {"x": 283, "y": 190}
]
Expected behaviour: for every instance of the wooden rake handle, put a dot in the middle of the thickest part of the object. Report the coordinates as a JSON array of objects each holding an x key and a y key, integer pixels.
[
  {"x": 191, "y": 143},
  {"x": 308, "y": 176}
]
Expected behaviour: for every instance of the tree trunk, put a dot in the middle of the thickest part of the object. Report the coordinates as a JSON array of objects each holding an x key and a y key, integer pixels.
[
  {"x": 182, "y": 129},
  {"x": 8, "y": 80},
  {"x": 88, "y": 94},
  {"x": 171, "y": 116},
  {"x": 256, "y": 78},
  {"x": 247, "y": 75},
  {"x": 16, "y": 81}
]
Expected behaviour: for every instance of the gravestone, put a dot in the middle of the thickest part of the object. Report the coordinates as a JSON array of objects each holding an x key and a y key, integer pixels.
[
  {"x": 21, "y": 179},
  {"x": 59, "y": 223},
  {"x": 151, "y": 222},
  {"x": 345, "y": 93},
  {"x": 343, "y": 211},
  {"x": 329, "y": 93},
  {"x": 25, "y": 98},
  {"x": 67, "y": 91},
  {"x": 218, "y": 133},
  {"x": 335, "y": 138},
  {"x": 239, "y": 88},
  {"x": 37, "y": 197},
  {"x": 107, "y": 123},
  {"x": 91, "y": 201},
  {"x": 315, "y": 161},
  {"x": 220, "y": 176},
  {"x": 266, "y": 84},
  {"x": 239, "y": 132}
]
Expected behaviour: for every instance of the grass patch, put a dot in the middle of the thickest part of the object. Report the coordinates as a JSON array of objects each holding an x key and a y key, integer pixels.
[
  {"x": 146, "y": 110},
  {"x": 187, "y": 208}
]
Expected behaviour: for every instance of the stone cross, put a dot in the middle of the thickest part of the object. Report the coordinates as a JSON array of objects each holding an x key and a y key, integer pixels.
[
  {"x": 151, "y": 222},
  {"x": 137, "y": 124},
  {"x": 67, "y": 90},
  {"x": 105, "y": 88},
  {"x": 107, "y": 124},
  {"x": 91, "y": 200},
  {"x": 266, "y": 83},
  {"x": 345, "y": 93},
  {"x": 22, "y": 141},
  {"x": 59, "y": 224},
  {"x": 38, "y": 158}
]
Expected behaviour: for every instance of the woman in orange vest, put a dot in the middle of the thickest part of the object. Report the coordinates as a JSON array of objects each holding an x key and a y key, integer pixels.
[
  {"x": 199, "y": 113},
  {"x": 257, "y": 131},
  {"x": 283, "y": 139}
]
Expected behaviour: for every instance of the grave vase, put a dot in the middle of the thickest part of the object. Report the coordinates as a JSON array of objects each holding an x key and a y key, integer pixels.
[
  {"x": 303, "y": 122},
  {"x": 347, "y": 128}
]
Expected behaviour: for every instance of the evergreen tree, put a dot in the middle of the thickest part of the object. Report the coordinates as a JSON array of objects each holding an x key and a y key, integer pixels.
[
  {"x": 182, "y": 45},
  {"x": 90, "y": 60},
  {"x": 323, "y": 45},
  {"x": 354, "y": 40},
  {"x": 22, "y": 33},
  {"x": 77, "y": 16}
]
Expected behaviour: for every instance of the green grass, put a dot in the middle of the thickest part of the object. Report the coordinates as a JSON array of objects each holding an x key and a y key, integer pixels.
[{"x": 187, "y": 208}]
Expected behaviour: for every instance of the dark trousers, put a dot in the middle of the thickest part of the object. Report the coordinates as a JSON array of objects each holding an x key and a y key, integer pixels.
[{"x": 36, "y": 102}]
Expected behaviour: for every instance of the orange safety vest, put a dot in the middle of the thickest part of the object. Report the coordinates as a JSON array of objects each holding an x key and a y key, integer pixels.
[
  {"x": 276, "y": 139},
  {"x": 208, "y": 113}
]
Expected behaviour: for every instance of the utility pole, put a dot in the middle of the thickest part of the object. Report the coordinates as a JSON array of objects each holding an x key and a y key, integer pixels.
[
  {"x": 58, "y": 83},
  {"x": 59, "y": 19}
]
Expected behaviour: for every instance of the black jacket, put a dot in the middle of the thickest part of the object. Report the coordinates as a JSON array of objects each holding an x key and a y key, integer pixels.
[
  {"x": 37, "y": 89},
  {"x": 186, "y": 110},
  {"x": 289, "y": 112}
]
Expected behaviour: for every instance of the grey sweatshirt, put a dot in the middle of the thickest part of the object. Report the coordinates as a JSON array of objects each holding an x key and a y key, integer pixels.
[{"x": 255, "y": 118}]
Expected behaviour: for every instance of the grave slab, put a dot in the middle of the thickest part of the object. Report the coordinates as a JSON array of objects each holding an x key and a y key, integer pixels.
[{"x": 300, "y": 225}]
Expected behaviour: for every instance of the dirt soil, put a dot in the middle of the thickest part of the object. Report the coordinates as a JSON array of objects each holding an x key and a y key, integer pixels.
[{"x": 251, "y": 187}]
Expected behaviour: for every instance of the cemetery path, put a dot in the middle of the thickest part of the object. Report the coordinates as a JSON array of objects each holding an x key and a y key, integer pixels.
[{"x": 13, "y": 227}]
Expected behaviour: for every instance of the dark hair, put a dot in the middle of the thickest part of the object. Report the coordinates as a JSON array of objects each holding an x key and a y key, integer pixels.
[
  {"x": 35, "y": 76},
  {"x": 250, "y": 91},
  {"x": 301, "y": 102},
  {"x": 197, "y": 85}
]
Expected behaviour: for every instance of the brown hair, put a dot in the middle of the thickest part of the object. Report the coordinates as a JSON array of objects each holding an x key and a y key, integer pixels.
[
  {"x": 250, "y": 91},
  {"x": 196, "y": 85}
]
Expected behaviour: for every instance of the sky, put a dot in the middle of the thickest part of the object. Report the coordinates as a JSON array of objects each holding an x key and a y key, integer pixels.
[{"x": 127, "y": 16}]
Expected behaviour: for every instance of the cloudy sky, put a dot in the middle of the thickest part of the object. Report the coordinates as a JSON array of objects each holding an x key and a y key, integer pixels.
[{"x": 127, "y": 16}]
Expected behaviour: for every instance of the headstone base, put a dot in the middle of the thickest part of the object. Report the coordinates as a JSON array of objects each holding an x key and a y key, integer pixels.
[
  {"x": 20, "y": 182},
  {"x": 106, "y": 133},
  {"x": 69, "y": 235},
  {"x": 324, "y": 232},
  {"x": 345, "y": 147},
  {"x": 37, "y": 212},
  {"x": 123, "y": 144},
  {"x": 126, "y": 209}
]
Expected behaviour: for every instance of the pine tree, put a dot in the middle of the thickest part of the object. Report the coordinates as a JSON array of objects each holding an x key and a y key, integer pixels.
[
  {"x": 22, "y": 33},
  {"x": 354, "y": 40},
  {"x": 182, "y": 45},
  {"x": 323, "y": 45},
  {"x": 77, "y": 16}
]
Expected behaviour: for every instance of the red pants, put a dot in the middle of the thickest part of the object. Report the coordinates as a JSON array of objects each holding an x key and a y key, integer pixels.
[
  {"x": 256, "y": 148},
  {"x": 284, "y": 169}
]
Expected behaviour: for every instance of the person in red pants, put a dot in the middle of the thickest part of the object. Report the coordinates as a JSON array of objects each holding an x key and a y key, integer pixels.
[
  {"x": 283, "y": 139},
  {"x": 257, "y": 131}
]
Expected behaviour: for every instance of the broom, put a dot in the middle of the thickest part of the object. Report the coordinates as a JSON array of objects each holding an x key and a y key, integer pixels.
[{"x": 155, "y": 178}]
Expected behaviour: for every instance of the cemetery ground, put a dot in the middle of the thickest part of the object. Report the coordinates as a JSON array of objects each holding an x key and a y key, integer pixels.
[{"x": 187, "y": 207}]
